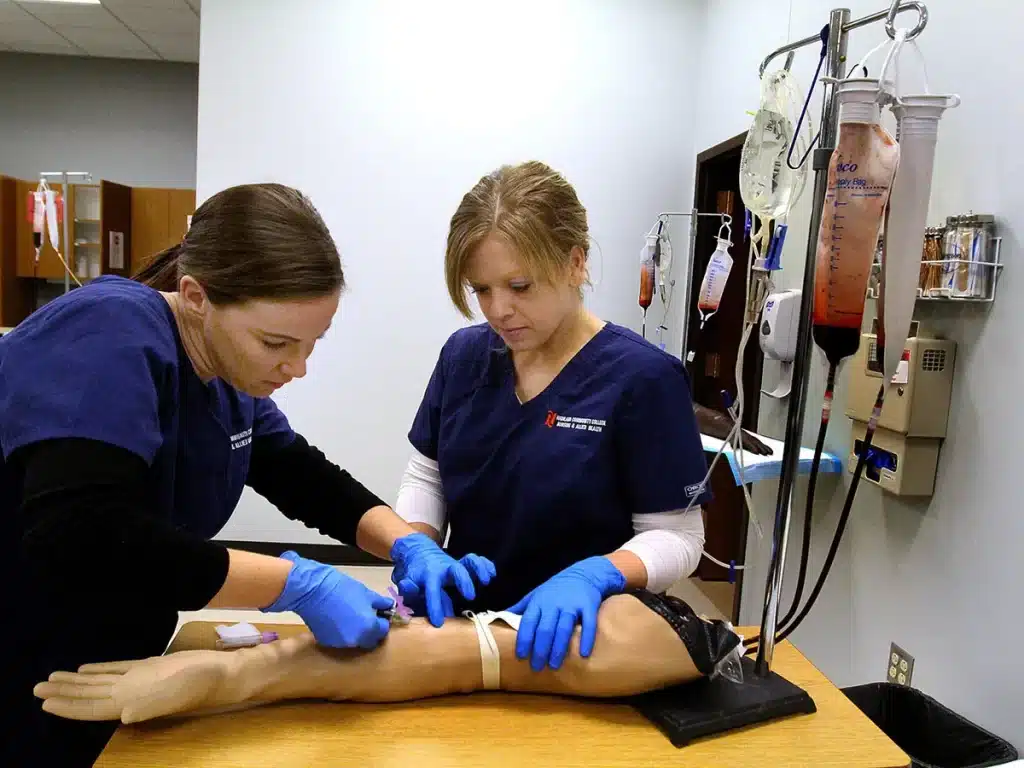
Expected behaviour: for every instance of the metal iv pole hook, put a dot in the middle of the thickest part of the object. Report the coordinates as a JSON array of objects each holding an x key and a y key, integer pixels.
[{"x": 890, "y": 20}]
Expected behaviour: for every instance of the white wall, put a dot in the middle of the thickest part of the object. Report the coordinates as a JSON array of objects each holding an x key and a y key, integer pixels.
[
  {"x": 386, "y": 113},
  {"x": 941, "y": 577},
  {"x": 133, "y": 122}
]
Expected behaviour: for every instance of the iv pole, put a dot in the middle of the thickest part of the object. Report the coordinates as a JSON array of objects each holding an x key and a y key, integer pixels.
[
  {"x": 839, "y": 28},
  {"x": 66, "y": 190}
]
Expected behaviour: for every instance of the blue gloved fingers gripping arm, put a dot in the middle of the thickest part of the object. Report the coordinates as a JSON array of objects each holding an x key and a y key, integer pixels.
[
  {"x": 563, "y": 637},
  {"x": 459, "y": 574},
  {"x": 423, "y": 570},
  {"x": 588, "y": 633},
  {"x": 577, "y": 592},
  {"x": 543, "y": 652},
  {"x": 433, "y": 592},
  {"x": 527, "y": 627},
  {"x": 480, "y": 567}
]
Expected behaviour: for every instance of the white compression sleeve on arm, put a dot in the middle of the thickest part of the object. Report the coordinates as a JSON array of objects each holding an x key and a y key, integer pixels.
[
  {"x": 669, "y": 544},
  {"x": 420, "y": 498}
]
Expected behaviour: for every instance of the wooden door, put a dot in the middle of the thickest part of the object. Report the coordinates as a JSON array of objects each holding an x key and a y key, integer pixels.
[
  {"x": 116, "y": 228},
  {"x": 717, "y": 346},
  {"x": 15, "y": 292},
  {"x": 150, "y": 231},
  {"x": 181, "y": 205}
]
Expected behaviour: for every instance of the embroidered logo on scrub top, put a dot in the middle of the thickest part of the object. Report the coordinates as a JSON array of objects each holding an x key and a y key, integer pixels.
[
  {"x": 693, "y": 490},
  {"x": 241, "y": 440},
  {"x": 574, "y": 422}
]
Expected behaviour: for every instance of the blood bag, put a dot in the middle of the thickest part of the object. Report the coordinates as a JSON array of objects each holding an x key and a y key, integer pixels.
[{"x": 860, "y": 176}]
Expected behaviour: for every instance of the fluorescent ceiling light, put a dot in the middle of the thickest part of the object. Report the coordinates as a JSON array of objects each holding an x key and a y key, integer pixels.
[{"x": 67, "y": 2}]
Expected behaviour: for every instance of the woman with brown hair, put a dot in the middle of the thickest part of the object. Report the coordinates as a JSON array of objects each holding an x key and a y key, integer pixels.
[
  {"x": 562, "y": 447},
  {"x": 133, "y": 413}
]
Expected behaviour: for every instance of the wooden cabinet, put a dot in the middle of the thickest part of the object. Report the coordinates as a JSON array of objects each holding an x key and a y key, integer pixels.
[
  {"x": 114, "y": 230},
  {"x": 15, "y": 294},
  {"x": 159, "y": 220}
]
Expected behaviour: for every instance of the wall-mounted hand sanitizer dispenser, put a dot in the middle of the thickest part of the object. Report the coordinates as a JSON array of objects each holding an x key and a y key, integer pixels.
[
  {"x": 777, "y": 333},
  {"x": 905, "y": 448},
  {"x": 779, "y": 324}
]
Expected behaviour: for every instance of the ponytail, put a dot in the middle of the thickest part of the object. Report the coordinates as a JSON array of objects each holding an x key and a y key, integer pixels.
[{"x": 161, "y": 272}]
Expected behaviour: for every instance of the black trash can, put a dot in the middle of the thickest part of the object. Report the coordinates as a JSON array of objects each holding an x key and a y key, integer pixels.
[{"x": 933, "y": 736}]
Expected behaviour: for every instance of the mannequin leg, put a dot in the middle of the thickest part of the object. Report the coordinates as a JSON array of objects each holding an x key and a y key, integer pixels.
[{"x": 636, "y": 651}]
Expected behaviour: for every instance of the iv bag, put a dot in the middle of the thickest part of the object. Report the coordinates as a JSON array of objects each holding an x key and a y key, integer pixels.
[
  {"x": 715, "y": 278},
  {"x": 860, "y": 175},
  {"x": 768, "y": 186}
]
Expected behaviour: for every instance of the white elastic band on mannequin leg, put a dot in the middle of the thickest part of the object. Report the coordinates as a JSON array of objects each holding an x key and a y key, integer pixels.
[{"x": 489, "y": 657}]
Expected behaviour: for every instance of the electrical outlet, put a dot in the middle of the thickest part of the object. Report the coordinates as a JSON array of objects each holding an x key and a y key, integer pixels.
[{"x": 900, "y": 666}]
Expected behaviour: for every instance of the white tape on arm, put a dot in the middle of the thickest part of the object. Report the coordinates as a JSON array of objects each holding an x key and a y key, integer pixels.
[{"x": 490, "y": 660}]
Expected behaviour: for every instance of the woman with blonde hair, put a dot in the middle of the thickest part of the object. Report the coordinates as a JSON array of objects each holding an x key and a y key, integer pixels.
[{"x": 561, "y": 447}]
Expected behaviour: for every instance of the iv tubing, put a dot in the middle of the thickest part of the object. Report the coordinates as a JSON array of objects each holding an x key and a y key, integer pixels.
[
  {"x": 843, "y": 518},
  {"x": 819, "y": 447}
]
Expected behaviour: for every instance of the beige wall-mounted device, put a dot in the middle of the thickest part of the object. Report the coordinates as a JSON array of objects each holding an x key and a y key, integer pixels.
[{"x": 905, "y": 449}]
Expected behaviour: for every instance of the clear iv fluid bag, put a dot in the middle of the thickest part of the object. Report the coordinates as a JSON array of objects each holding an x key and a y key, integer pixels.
[
  {"x": 768, "y": 186},
  {"x": 860, "y": 175},
  {"x": 715, "y": 278}
]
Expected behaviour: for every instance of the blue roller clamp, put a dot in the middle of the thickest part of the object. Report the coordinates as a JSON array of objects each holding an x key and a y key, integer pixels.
[{"x": 774, "y": 260}]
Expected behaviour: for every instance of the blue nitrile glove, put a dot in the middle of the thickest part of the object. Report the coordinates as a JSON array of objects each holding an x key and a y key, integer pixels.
[
  {"x": 423, "y": 569},
  {"x": 340, "y": 611},
  {"x": 551, "y": 611}
]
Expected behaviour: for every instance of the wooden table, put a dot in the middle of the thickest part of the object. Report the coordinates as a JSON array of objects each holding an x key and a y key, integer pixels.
[{"x": 486, "y": 729}]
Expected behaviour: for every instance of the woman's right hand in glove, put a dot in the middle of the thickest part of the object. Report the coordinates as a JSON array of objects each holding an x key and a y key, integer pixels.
[{"x": 340, "y": 611}]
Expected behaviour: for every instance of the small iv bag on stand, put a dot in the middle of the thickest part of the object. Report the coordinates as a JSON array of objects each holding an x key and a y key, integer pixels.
[{"x": 713, "y": 285}]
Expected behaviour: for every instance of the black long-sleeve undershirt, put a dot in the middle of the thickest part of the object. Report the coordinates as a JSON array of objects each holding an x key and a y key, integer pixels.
[
  {"x": 306, "y": 486},
  {"x": 89, "y": 533}
]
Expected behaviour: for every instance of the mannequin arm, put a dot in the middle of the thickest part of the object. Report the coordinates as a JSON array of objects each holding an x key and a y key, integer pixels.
[{"x": 636, "y": 651}]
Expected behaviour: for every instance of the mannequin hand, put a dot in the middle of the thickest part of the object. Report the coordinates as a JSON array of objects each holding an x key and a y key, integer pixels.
[
  {"x": 718, "y": 425},
  {"x": 752, "y": 445},
  {"x": 423, "y": 569},
  {"x": 339, "y": 611},
  {"x": 551, "y": 611}
]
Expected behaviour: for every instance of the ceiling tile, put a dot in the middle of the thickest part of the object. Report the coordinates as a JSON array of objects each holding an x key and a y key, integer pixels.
[
  {"x": 69, "y": 15},
  {"x": 117, "y": 5},
  {"x": 30, "y": 31},
  {"x": 113, "y": 52},
  {"x": 89, "y": 39},
  {"x": 160, "y": 19},
  {"x": 57, "y": 48},
  {"x": 173, "y": 47},
  {"x": 11, "y": 12}
]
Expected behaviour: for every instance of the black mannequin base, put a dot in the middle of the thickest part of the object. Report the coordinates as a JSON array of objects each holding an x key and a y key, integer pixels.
[{"x": 709, "y": 707}]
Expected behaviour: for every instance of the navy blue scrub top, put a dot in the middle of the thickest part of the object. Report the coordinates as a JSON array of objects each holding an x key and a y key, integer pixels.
[
  {"x": 105, "y": 362},
  {"x": 540, "y": 485}
]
